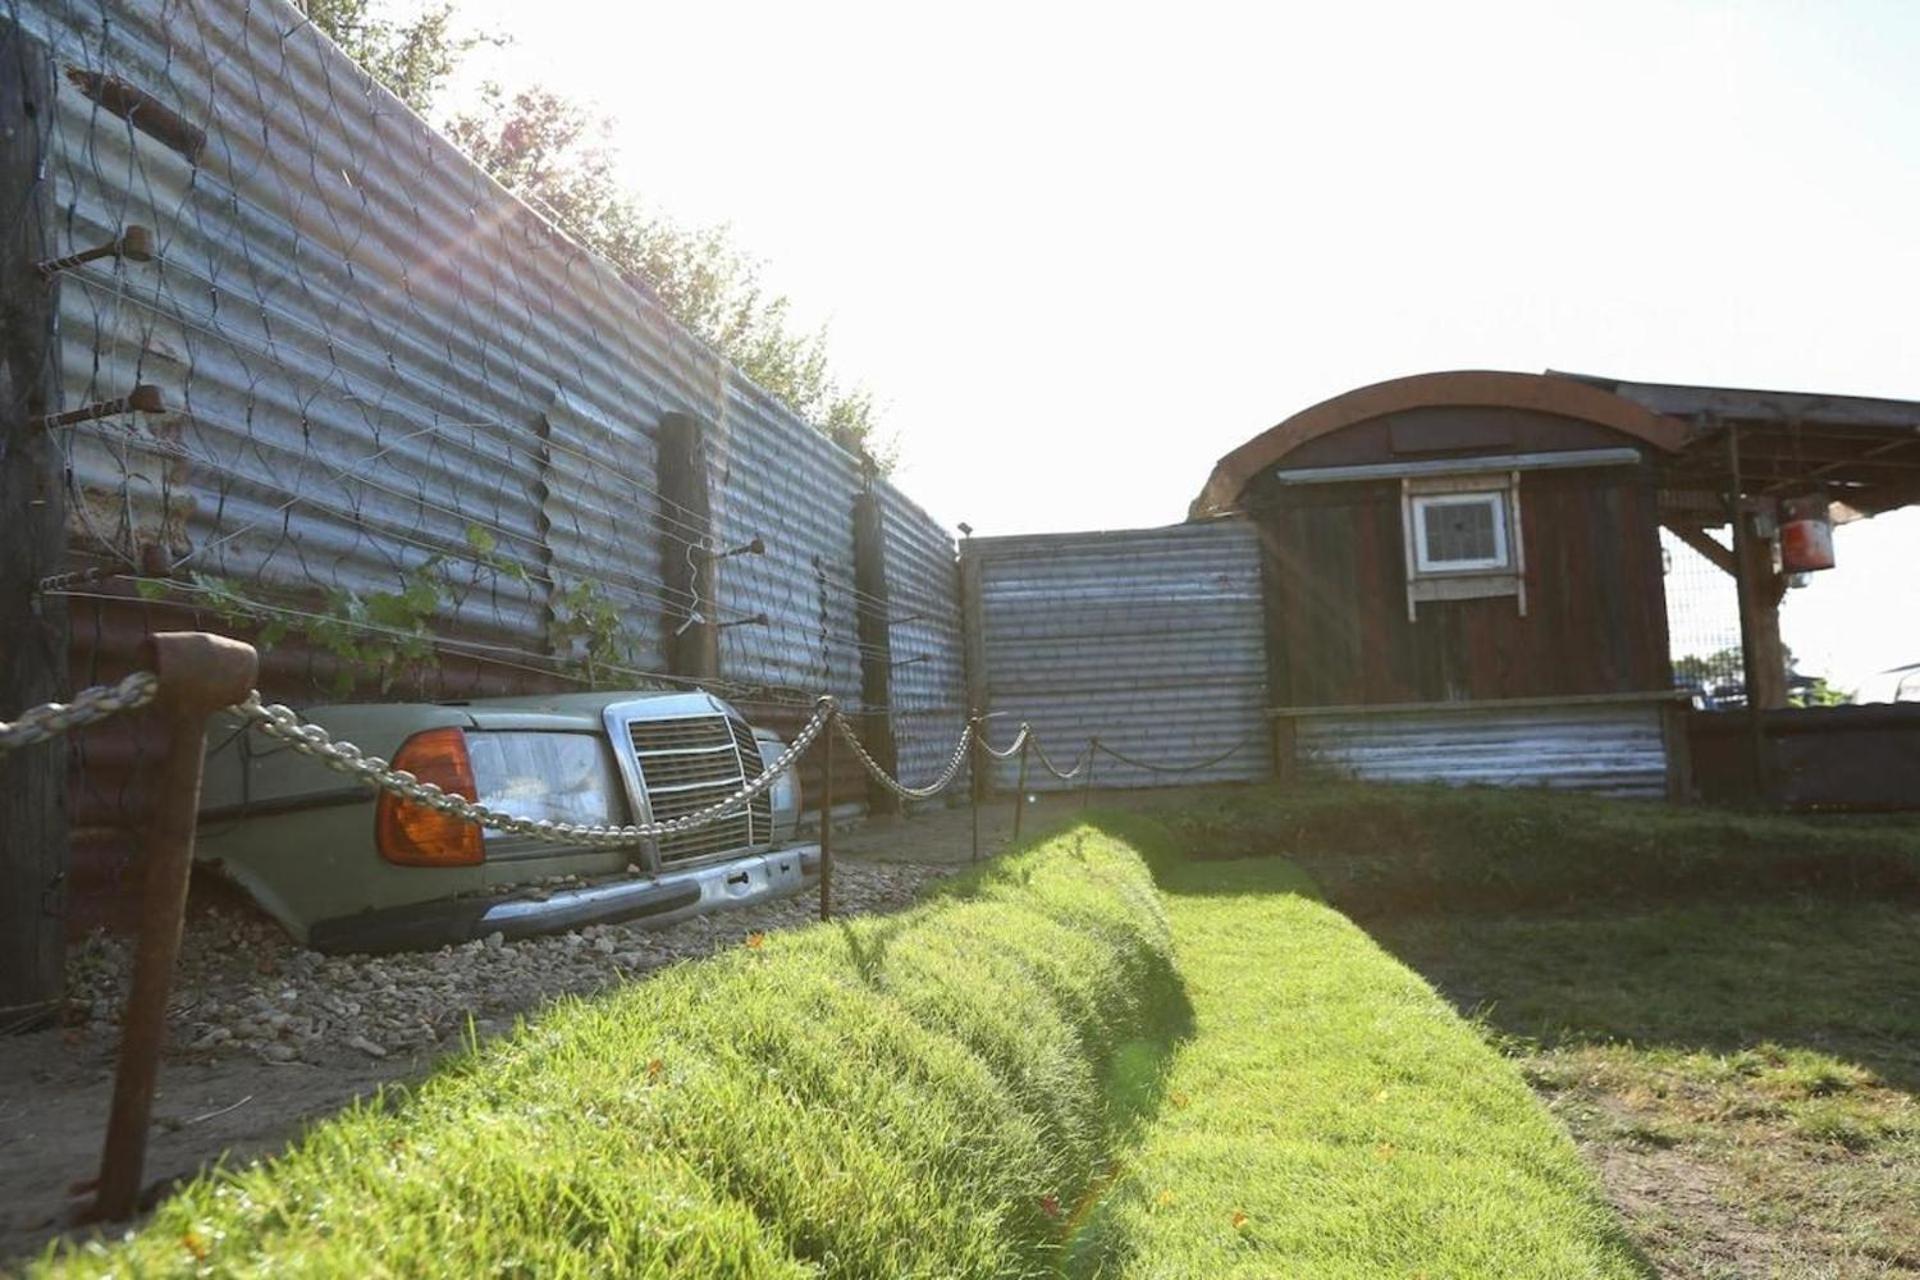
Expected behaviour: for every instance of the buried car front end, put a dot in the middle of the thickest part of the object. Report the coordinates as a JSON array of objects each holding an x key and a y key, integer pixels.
[{"x": 346, "y": 871}]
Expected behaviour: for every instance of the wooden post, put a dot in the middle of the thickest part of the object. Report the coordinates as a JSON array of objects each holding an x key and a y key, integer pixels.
[
  {"x": 687, "y": 563},
  {"x": 199, "y": 674},
  {"x": 1766, "y": 662},
  {"x": 33, "y": 627},
  {"x": 874, "y": 618}
]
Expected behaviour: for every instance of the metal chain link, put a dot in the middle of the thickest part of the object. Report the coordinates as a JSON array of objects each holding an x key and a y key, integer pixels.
[
  {"x": 1079, "y": 762},
  {"x": 893, "y": 784},
  {"x": 280, "y": 722},
  {"x": 89, "y": 706},
  {"x": 1224, "y": 756},
  {"x": 1012, "y": 749}
]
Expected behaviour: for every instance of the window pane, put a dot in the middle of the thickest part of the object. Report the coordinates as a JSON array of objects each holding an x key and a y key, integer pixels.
[{"x": 1461, "y": 531}]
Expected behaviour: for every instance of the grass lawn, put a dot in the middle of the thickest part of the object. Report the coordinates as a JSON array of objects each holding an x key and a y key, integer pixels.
[
  {"x": 1744, "y": 1075},
  {"x": 1329, "y": 1116},
  {"x": 1724, "y": 1008},
  {"x": 913, "y": 1095}
]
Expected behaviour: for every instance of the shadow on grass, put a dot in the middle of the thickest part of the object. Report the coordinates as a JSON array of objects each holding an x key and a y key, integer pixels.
[
  {"x": 1834, "y": 977},
  {"x": 1572, "y": 920}
]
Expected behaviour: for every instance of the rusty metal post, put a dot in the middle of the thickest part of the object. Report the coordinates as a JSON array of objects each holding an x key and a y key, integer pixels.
[
  {"x": 1020, "y": 792},
  {"x": 199, "y": 674},
  {"x": 826, "y": 816}
]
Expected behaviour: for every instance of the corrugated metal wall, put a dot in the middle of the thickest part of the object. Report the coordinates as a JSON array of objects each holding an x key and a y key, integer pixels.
[
  {"x": 1150, "y": 639},
  {"x": 1609, "y": 750},
  {"x": 378, "y": 363},
  {"x": 929, "y": 668}
]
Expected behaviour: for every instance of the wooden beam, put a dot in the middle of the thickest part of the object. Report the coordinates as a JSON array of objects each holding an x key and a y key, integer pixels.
[
  {"x": 1760, "y": 610},
  {"x": 687, "y": 564},
  {"x": 33, "y": 627},
  {"x": 1699, "y": 541}
]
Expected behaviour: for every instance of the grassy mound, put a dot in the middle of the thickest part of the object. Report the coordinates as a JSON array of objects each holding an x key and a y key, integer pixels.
[
  {"x": 1330, "y": 1116},
  {"x": 1382, "y": 848},
  {"x": 909, "y": 1096}
]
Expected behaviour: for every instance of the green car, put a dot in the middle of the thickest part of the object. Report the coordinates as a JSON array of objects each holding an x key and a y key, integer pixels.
[{"x": 345, "y": 871}]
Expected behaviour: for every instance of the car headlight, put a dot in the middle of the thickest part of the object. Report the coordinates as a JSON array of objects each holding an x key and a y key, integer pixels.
[{"x": 561, "y": 777}]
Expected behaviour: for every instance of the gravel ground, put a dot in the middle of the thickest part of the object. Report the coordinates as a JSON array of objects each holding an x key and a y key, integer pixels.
[
  {"x": 243, "y": 987},
  {"x": 265, "y": 1035}
]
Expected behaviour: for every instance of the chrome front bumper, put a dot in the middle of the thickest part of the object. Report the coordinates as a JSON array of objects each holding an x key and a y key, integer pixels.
[{"x": 648, "y": 901}]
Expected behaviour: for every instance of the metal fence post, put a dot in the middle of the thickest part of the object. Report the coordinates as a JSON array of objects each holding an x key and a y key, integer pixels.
[
  {"x": 199, "y": 674},
  {"x": 1020, "y": 792},
  {"x": 826, "y": 815},
  {"x": 1093, "y": 756}
]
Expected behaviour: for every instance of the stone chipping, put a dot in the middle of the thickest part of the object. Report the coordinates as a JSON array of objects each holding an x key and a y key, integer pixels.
[{"x": 243, "y": 987}]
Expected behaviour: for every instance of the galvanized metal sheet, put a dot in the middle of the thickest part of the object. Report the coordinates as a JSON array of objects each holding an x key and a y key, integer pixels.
[
  {"x": 929, "y": 681},
  {"x": 375, "y": 359},
  {"x": 1152, "y": 640},
  {"x": 1610, "y": 750}
]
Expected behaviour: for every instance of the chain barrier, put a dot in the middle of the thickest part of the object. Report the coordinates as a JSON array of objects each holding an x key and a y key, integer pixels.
[
  {"x": 1080, "y": 762},
  {"x": 887, "y": 780},
  {"x": 1012, "y": 749},
  {"x": 89, "y": 706},
  {"x": 280, "y": 722},
  {"x": 1222, "y": 758}
]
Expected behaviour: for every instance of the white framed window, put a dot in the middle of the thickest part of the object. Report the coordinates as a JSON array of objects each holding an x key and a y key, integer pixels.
[
  {"x": 1463, "y": 538},
  {"x": 1460, "y": 532}
]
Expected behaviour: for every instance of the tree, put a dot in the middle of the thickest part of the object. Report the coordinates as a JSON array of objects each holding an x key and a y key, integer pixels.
[
  {"x": 547, "y": 151},
  {"x": 413, "y": 59}
]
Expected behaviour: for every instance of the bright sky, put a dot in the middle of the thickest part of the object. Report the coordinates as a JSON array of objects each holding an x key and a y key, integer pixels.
[{"x": 1080, "y": 251}]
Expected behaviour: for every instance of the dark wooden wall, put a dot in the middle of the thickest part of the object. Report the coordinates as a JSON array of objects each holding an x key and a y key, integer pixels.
[{"x": 1335, "y": 568}]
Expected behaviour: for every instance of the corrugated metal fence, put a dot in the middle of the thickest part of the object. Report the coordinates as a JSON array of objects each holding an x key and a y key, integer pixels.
[
  {"x": 1151, "y": 640},
  {"x": 409, "y": 427}
]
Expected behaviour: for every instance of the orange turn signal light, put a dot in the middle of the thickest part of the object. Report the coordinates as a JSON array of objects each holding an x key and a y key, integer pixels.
[{"x": 412, "y": 835}]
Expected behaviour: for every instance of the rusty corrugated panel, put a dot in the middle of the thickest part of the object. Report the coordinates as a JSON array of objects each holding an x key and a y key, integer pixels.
[
  {"x": 1609, "y": 750},
  {"x": 1150, "y": 639}
]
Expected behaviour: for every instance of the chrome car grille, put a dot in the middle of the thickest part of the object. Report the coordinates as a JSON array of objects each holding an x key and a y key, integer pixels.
[{"x": 687, "y": 764}]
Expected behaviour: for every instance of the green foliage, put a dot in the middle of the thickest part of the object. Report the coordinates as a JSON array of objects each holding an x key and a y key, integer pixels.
[
  {"x": 915, "y": 1095},
  {"x": 390, "y": 635},
  {"x": 545, "y": 149},
  {"x": 411, "y": 58},
  {"x": 588, "y": 624}
]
